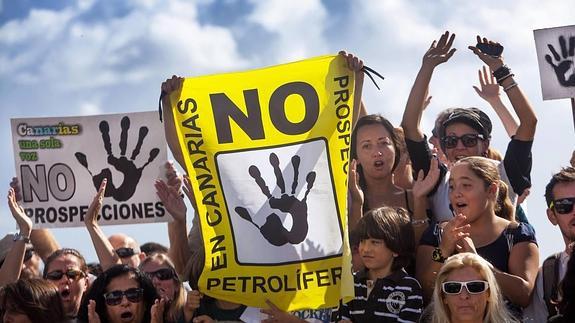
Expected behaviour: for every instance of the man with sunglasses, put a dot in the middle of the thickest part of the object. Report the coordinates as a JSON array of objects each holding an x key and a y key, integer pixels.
[
  {"x": 467, "y": 131},
  {"x": 127, "y": 249},
  {"x": 560, "y": 198},
  {"x": 31, "y": 264}
]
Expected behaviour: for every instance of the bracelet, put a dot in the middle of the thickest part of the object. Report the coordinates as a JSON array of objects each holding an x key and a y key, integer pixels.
[
  {"x": 501, "y": 71},
  {"x": 499, "y": 81},
  {"x": 419, "y": 222},
  {"x": 20, "y": 237},
  {"x": 510, "y": 86}
]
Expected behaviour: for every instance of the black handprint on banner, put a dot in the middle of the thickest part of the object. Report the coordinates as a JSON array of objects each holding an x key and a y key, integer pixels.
[
  {"x": 273, "y": 230},
  {"x": 565, "y": 62},
  {"x": 132, "y": 174}
]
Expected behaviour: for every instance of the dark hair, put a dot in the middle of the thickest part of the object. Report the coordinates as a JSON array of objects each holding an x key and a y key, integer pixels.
[
  {"x": 153, "y": 247},
  {"x": 374, "y": 119},
  {"x": 65, "y": 251},
  {"x": 37, "y": 298},
  {"x": 486, "y": 170},
  {"x": 567, "y": 290},
  {"x": 98, "y": 289},
  {"x": 565, "y": 175},
  {"x": 393, "y": 226}
]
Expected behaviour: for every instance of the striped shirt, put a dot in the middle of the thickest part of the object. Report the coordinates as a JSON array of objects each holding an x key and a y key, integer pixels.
[{"x": 395, "y": 298}]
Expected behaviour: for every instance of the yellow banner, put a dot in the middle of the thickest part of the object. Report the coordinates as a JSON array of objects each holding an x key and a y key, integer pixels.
[{"x": 267, "y": 151}]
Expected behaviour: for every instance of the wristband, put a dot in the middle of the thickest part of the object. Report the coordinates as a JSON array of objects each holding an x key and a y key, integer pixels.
[
  {"x": 437, "y": 256},
  {"x": 20, "y": 237},
  {"x": 510, "y": 86}
]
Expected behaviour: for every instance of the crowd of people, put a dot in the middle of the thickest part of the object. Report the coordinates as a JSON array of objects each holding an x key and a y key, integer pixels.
[{"x": 436, "y": 226}]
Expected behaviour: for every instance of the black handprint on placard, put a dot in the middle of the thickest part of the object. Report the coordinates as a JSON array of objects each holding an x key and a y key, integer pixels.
[
  {"x": 132, "y": 174},
  {"x": 565, "y": 61},
  {"x": 273, "y": 230}
]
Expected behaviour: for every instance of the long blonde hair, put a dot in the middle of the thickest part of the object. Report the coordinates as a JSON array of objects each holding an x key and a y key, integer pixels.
[
  {"x": 176, "y": 307},
  {"x": 495, "y": 312}
]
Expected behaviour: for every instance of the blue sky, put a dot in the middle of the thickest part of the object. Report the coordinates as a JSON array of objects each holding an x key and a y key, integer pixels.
[{"x": 81, "y": 57}]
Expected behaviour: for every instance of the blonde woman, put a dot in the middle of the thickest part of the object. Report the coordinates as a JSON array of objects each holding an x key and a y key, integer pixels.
[
  {"x": 161, "y": 271},
  {"x": 466, "y": 291}
]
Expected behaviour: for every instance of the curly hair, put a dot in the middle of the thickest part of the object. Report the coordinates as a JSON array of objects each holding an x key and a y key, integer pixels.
[
  {"x": 99, "y": 286},
  {"x": 495, "y": 311}
]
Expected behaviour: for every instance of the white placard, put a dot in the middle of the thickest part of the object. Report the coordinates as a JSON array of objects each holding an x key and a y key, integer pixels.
[
  {"x": 61, "y": 162},
  {"x": 556, "y": 57}
]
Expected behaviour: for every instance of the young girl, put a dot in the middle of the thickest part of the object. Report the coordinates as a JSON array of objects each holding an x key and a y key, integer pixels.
[
  {"x": 481, "y": 225},
  {"x": 383, "y": 290}
]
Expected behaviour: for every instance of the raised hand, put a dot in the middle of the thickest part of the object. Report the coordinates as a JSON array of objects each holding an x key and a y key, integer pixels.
[
  {"x": 91, "y": 217},
  {"x": 565, "y": 61},
  {"x": 357, "y": 194},
  {"x": 354, "y": 63},
  {"x": 192, "y": 304},
  {"x": 424, "y": 184},
  {"x": 172, "y": 199},
  {"x": 93, "y": 316},
  {"x": 440, "y": 51},
  {"x": 127, "y": 167},
  {"x": 157, "y": 311},
  {"x": 494, "y": 62},
  {"x": 15, "y": 184},
  {"x": 273, "y": 230},
  {"x": 24, "y": 222},
  {"x": 489, "y": 88},
  {"x": 172, "y": 84}
]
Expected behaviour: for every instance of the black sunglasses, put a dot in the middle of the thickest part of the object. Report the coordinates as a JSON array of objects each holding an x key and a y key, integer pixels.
[
  {"x": 162, "y": 274},
  {"x": 469, "y": 140},
  {"x": 70, "y": 274},
  {"x": 563, "y": 206},
  {"x": 473, "y": 287},
  {"x": 125, "y": 252},
  {"x": 134, "y": 295}
]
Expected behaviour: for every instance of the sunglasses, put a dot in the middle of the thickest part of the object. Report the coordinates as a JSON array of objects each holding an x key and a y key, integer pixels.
[
  {"x": 468, "y": 140},
  {"x": 70, "y": 274},
  {"x": 125, "y": 252},
  {"x": 162, "y": 274},
  {"x": 563, "y": 206},
  {"x": 473, "y": 287},
  {"x": 134, "y": 295}
]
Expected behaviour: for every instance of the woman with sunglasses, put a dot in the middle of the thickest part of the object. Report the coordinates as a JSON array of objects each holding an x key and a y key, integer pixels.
[
  {"x": 467, "y": 132},
  {"x": 161, "y": 271},
  {"x": 466, "y": 291},
  {"x": 121, "y": 294},
  {"x": 483, "y": 225},
  {"x": 30, "y": 301},
  {"x": 67, "y": 270}
]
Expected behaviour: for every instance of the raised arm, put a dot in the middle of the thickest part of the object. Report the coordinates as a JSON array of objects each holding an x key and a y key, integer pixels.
[
  {"x": 490, "y": 92},
  {"x": 168, "y": 87},
  {"x": 525, "y": 113},
  {"x": 10, "y": 270},
  {"x": 173, "y": 200},
  {"x": 43, "y": 240},
  {"x": 439, "y": 52},
  {"x": 104, "y": 249}
]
